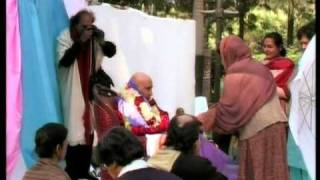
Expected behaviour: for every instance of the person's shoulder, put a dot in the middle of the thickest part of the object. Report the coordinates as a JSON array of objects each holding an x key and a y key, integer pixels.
[
  {"x": 288, "y": 59},
  {"x": 191, "y": 163},
  {"x": 45, "y": 173},
  {"x": 164, "y": 174},
  {"x": 194, "y": 165},
  {"x": 65, "y": 33},
  {"x": 148, "y": 174},
  {"x": 196, "y": 159},
  {"x": 61, "y": 175},
  {"x": 284, "y": 61}
]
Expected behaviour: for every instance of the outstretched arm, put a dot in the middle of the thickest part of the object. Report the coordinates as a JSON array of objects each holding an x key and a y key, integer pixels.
[{"x": 208, "y": 119}]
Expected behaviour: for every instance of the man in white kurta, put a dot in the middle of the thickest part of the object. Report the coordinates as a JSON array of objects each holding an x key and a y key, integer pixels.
[{"x": 80, "y": 50}]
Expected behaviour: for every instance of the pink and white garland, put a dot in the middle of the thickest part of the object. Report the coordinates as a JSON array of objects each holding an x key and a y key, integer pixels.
[{"x": 149, "y": 111}]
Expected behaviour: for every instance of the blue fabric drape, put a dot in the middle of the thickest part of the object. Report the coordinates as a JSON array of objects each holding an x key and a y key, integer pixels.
[
  {"x": 297, "y": 167},
  {"x": 40, "y": 23}
]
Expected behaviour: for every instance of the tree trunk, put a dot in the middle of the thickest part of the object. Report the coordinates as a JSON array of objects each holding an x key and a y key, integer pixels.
[
  {"x": 290, "y": 24},
  {"x": 243, "y": 8},
  {"x": 241, "y": 24},
  {"x": 206, "y": 79},
  {"x": 217, "y": 64},
  {"x": 198, "y": 5},
  {"x": 148, "y": 6}
]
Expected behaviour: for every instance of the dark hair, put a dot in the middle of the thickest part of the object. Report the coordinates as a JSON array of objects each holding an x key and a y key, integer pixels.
[
  {"x": 101, "y": 78},
  {"x": 183, "y": 137},
  {"x": 277, "y": 39},
  {"x": 307, "y": 30},
  {"x": 119, "y": 145},
  {"x": 48, "y": 137},
  {"x": 75, "y": 20}
]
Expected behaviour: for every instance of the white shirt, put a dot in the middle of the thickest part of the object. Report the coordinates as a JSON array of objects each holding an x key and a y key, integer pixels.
[{"x": 134, "y": 165}]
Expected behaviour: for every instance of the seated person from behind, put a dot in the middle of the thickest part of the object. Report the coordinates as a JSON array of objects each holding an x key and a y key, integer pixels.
[
  {"x": 209, "y": 150},
  {"x": 180, "y": 155},
  {"x": 51, "y": 147},
  {"x": 121, "y": 154},
  {"x": 140, "y": 110}
]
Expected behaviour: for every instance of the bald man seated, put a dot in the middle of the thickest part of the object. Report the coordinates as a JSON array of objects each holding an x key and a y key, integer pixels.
[{"x": 141, "y": 113}]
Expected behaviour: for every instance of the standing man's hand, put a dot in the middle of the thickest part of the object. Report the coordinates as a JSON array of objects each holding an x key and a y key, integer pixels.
[
  {"x": 86, "y": 35},
  {"x": 99, "y": 35}
]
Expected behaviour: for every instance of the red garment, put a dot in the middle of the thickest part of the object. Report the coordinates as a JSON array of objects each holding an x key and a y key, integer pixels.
[
  {"x": 106, "y": 114},
  {"x": 162, "y": 127},
  {"x": 85, "y": 63},
  {"x": 85, "y": 66},
  {"x": 106, "y": 117},
  {"x": 248, "y": 85},
  {"x": 285, "y": 64}
]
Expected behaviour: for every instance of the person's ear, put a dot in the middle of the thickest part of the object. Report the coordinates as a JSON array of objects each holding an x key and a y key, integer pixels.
[{"x": 58, "y": 149}]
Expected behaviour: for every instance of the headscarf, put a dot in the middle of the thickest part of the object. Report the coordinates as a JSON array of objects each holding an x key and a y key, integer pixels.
[{"x": 248, "y": 85}]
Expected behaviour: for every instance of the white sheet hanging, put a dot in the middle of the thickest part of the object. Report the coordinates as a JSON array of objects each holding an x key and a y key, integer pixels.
[
  {"x": 73, "y": 6},
  {"x": 302, "y": 111},
  {"x": 164, "y": 48}
]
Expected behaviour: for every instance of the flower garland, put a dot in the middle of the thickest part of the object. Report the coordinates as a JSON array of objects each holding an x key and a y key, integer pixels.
[{"x": 149, "y": 111}]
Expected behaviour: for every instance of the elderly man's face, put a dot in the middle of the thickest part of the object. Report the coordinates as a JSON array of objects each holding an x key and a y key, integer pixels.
[{"x": 145, "y": 88}]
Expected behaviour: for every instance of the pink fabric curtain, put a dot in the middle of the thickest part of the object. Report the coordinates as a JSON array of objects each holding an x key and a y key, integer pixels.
[{"x": 13, "y": 85}]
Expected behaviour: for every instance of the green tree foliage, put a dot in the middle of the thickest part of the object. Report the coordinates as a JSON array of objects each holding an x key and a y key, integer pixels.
[
  {"x": 292, "y": 8},
  {"x": 259, "y": 18},
  {"x": 163, "y": 8},
  {"x": 259, "y": 21}
]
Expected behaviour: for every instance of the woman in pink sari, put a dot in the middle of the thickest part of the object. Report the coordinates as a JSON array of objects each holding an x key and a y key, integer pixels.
[
  {"x": 280, "y": 66},
  {"x": 249, "y": 106}
]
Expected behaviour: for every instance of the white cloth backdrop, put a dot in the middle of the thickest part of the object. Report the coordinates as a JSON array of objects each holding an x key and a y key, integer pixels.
[
  {"x": 302, "y": 111},
  {"x": 161, "y": 47},
  {"x": 73, "y": 6},
  {"x": 164, "y": 48}
]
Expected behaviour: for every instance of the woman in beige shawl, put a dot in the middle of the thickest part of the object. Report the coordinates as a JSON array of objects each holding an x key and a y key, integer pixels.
[{"x": 250, "y": 106}]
